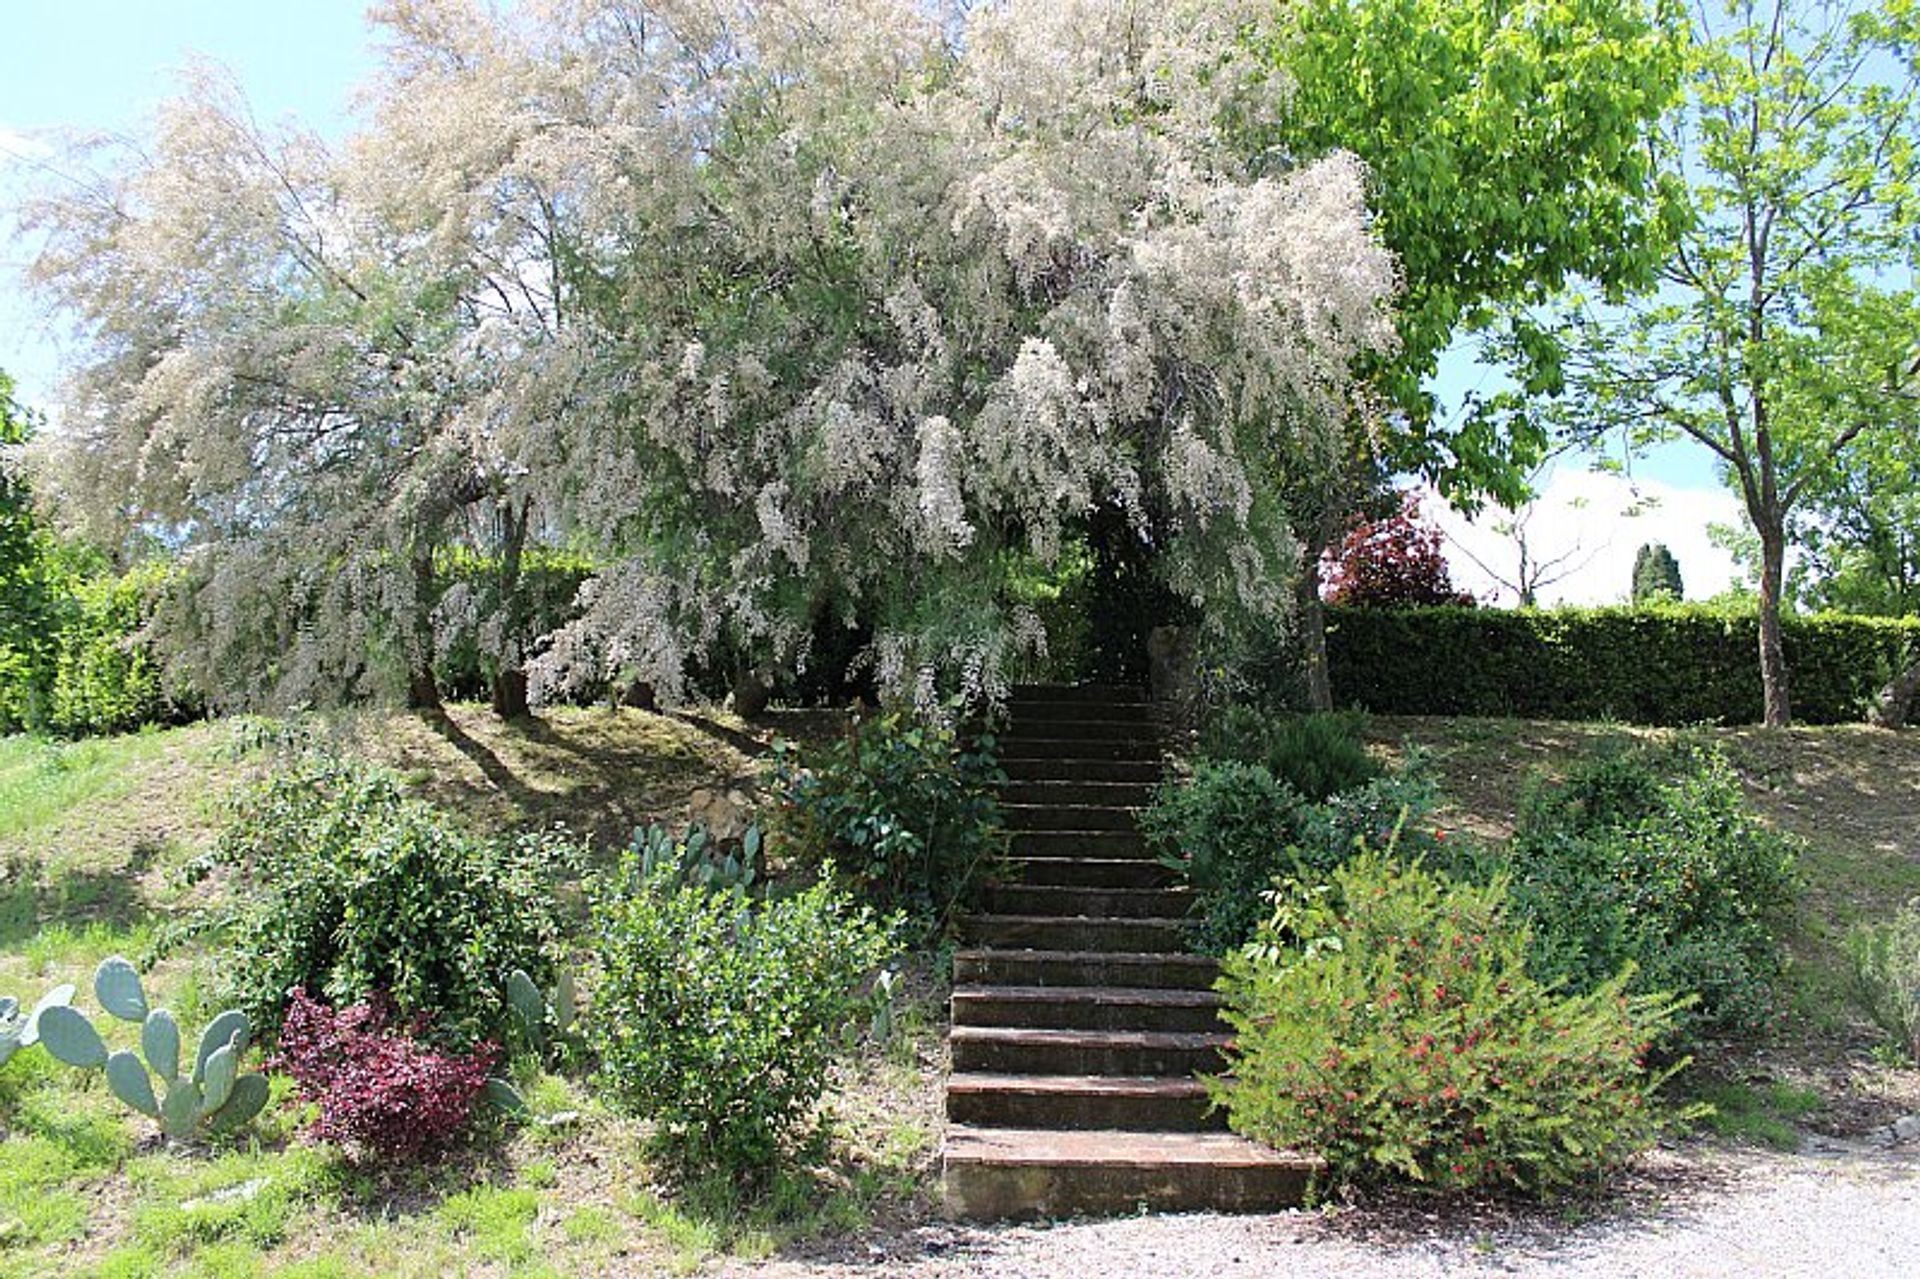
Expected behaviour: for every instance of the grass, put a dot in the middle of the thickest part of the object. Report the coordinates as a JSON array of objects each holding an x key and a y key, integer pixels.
[{"x": 91, "y": 838}]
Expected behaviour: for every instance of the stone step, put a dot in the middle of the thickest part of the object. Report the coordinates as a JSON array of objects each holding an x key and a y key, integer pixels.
[
  {"x": 1041, "y": 710},
  {"x": 1023, "y": 1050},
  {"x": 1140, "y": 1103},
  {"x": 983, "y": 966},
  {"x": 1088, "y": 1008},
  {"x": 1025, "y": 817},
  {"x": 1012, "y": 747},
  {"x": 1002, "y": 1173},
  {"x": 1097, "y": 845},
  {"x": 1068, "y": 769},
  {"x": 1100, "y": 694},
  {"x": 1058, "y": 900},
  {"x": 1078, "y": 793},
  {"x": 1079, "y": 730},
  {"x": 1091, "y": 872},
  {"x": 1073, "y": 932}
]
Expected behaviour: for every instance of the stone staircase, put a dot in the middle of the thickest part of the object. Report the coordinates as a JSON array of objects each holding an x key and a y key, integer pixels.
[{"x": 1079, "y": 1022}]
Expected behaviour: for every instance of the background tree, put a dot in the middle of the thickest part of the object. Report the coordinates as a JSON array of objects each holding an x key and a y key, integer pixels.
[
  {"x": 1656, "y": 575},
  {"x": 1781, "y": 337},
  {"x": 1394, "y": 562},
  {"x": 31, "y": 590}
]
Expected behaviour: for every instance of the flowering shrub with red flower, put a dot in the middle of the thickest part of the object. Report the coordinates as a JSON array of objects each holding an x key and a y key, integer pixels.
[
  {"x": 1387, "y": 1022},
  {"x": 379, "y": 1086}
]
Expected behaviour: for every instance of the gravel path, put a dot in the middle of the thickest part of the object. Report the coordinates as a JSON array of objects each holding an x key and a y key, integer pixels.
[{"x": 1679, "y": 1216}]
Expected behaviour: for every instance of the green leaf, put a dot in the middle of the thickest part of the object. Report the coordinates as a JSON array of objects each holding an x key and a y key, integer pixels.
[{"x": 116, "y": 984}]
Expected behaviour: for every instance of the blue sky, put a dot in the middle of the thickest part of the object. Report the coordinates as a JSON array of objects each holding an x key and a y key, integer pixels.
[{"x": 104, "y": 65}]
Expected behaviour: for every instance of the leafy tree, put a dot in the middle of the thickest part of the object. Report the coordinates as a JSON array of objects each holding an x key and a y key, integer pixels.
[
  {"x": 1781, "y": 338},
  {"x": 1656, "y": 575},
  {"x": 1395, "y": 562},
  {"x": 31, "y": 584},
  {"x": 1506, "y": 157}
]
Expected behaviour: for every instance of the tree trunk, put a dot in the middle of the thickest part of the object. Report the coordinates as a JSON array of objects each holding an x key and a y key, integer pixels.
[
  {"x": 423, "y": 691},
  {"x": 1896, "y": 700},
  {"x": 1313, "y": 633},
  {"x": 510, "y": 680},
  {"x": 1773, "y": 657}
]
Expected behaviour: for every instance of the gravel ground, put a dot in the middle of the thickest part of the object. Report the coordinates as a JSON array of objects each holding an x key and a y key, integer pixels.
[{"x": 1701, "y": 1212}]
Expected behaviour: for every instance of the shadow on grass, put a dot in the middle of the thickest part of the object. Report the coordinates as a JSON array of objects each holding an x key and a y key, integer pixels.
[{"x": 31, "y": 901}]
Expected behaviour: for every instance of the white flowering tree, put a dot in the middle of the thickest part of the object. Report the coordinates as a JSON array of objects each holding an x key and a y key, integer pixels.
[{"x": 792, "y": 312}]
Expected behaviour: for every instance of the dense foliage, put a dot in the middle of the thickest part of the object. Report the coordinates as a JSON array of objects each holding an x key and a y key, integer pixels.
[
  {"x": 1392, "y": 562},
  {"x": 1233, "y": 829},
  {"x": 716, "y": 1015},
  {"x": 904, "y": 809},
  {"x": 348, "y": 888},
  {"x": 1656, "y": 576},
  {"x": 1318, "y": 755},
  {"x": 1886, "y": 970},
  {"x": 1667, "y": 665},
  {"x": 1389, "y": 1023},
  {"x": 1649, "y": 857},
  {"x": 378, "y": 1085}
]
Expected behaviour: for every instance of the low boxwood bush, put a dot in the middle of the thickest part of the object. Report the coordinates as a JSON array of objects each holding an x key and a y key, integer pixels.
[
  {"x": 1232, "y": 829},
  {"x": 1319, "y": 756},
  {"x": 1649, "y": 855},
  {"x": 905, "y": 809},
  {"x": 348, "y": 887},
  {"x": 1653, "y": 664},
  {"x": 1886, "y": 972},
  {"x": 1388, "y": 1022},
  {"x": 716, "y": 1016}
]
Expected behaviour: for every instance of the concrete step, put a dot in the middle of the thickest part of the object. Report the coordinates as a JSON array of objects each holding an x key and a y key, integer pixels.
[
  {"x": 1089, "y": 902},
  {"x": 1098, "y": 845},
  {"x": 1001, "y": 1173},
  {"x": 1068, "y": 769},
  {"x": 1072, "y": 932},
  {"x": 1090, "y": 872},
  {"x": 1024, "y": 817},
  {"x": 1139, "y": 1103},
  {"x": 1088, "y": 1008},
  {"x": 1098, "y": 694},
  {"x": 1023, "y": 1050},
  {"x": 1078, "y": 793},
  {"x": 988, "y": 967},
  {"x": 1020, "y": 746}
]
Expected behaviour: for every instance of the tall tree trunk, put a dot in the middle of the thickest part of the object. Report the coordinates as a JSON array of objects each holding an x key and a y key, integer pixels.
[
  {"x": 510, "y": 679},
  {"x": 1773, "y": 656},
  {"x": 1313, "y": 633},
  {"x": 1896, "y": 700},
  {"x": 423, "y": 691}
]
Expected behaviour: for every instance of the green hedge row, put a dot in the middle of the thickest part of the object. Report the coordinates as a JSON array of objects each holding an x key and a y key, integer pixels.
[{"x": 1648, "y": 665}]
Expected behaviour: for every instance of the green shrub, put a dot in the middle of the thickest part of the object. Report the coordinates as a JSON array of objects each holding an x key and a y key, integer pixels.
[
  {"x": 1388, "y": 1023},
  {"x": 1317, "y": 755},
  {"x": 1658, "y": 664},
  {"x": 1886, "y": 970},
  {"x": 717, "y": 1016},
  {"x": 905, "y": 809},
  {"x": 350, "y": 888},
  {"x": 1649, "y": 855},
  {"x": 1232, "y": 829}
]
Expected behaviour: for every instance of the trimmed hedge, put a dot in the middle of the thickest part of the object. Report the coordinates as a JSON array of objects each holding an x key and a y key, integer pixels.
[{"x": 1649, "y": 665}]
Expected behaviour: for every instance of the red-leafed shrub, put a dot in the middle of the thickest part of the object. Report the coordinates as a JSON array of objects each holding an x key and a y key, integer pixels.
[
  {"x": 1396, "y": 562},
  {"x": 379, "y": 1086}
]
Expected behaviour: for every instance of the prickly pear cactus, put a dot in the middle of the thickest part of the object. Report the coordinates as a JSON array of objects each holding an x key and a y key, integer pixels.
[
  {"x": 20, "y": 1030},
  {"x": 215, "y": 1097}
]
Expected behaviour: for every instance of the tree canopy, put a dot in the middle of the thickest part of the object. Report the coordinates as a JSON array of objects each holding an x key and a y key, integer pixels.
[{"x": 1782, "y": 335}]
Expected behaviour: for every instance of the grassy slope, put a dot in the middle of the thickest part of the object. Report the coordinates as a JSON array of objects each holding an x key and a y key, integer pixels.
[
  {"x": 91, "y": 836},
  {"x": 1850, "y": 791}
]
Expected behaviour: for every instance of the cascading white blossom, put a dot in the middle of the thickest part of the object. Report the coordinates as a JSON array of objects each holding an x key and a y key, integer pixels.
[{"x": 795, "y": 314}]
